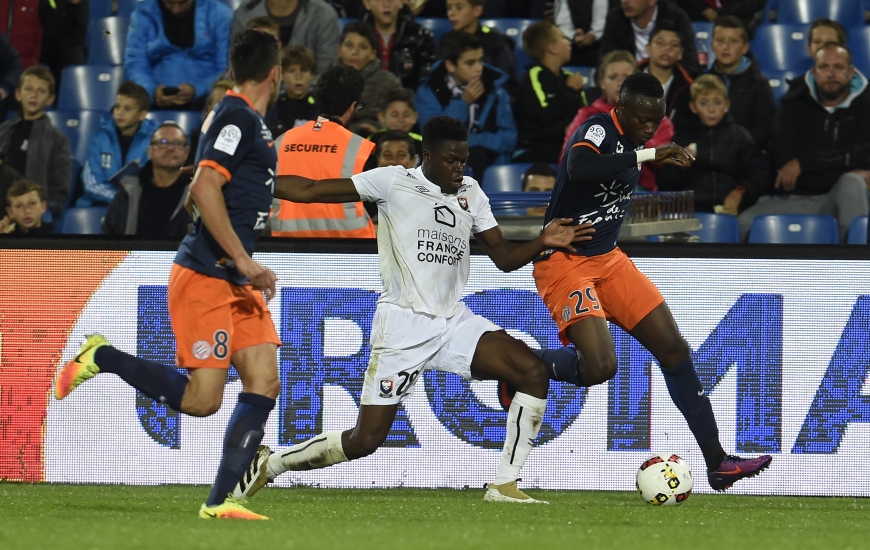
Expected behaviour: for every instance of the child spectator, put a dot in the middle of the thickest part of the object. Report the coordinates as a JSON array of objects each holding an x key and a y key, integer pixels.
[
  {"x": 407, "y": 49},
  {"x": 124, "y": 138},
  {"x": 359, "y": 49},
  {"x": 665, "y": 50},
  {"x": 615, "y": 67},
  {"x": 463, "y": 87},
  {"x": 730, "y": 171},
  {"x": 548, "y": 97},
  {"x": 396, "y": 148},
  {"x": 296, "y": 105},
  {"x": 151, "y": 203},
  {"x": 400, "y": 113},
  {"x": 32, "y": 145},
  {"x": 823, "y": 31},
  {"x": 498, "y": 50},
  {"x": 539, "y": 178},
  {"x": 25, "y": 206},
  {"x": 752, "y": 103}
]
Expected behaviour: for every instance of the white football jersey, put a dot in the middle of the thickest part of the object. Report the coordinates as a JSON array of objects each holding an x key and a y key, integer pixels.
[{"x": 423, "y": 236}]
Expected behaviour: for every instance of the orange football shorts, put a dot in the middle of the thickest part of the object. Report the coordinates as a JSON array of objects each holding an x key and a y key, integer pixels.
[
  {"x": 609, "y": 285},
  {"x": 213, "y": 318}
]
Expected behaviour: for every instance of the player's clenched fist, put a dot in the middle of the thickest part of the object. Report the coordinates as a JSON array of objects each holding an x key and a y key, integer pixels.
[
  {"x": 259, "y": 276},
  {"x": 674, "y": 154}
]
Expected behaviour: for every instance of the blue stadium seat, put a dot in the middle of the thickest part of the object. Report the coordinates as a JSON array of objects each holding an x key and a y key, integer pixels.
[
  {"x": 342, "y": 21},
  {"x": 83, "y": 221},
  {"x": 79, "y": 127},
  {"x": 782, "y": 47},
  {"x": 858, "y": 231},
  {"x": 127, "y": 7},
  {"x": 523, "y": 59},
  {"x": 717, "y": 228},
  {"x": 438, "y": 25},
  {"x": 704, "y": 33},
  {"x": 504, "y": 178},
  {"x": 190, "y": 121},
  {"x": 587, "y": 72},
  {"x": 859, "y": 45},
  {"x": 778, "y": 81},
  {"x": 794, "y": 229},
  {"x": 849, "y": 13},
  {"x": 89, "y": 87},
  {"x": 107, "y": 38},
  {"x": 510, "y": 27},
  {"x": 97, "y": 9}
]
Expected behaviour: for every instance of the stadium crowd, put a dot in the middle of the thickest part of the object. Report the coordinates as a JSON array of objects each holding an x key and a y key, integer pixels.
[{"x": 774, "y": 110}]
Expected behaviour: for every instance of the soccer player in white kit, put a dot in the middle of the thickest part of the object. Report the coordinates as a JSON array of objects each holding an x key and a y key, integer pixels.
[{"x": 426, "y": 218}]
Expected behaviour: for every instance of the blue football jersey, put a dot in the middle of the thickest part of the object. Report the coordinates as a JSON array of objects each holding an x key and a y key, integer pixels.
[
  {"x": 236, "y": 142},
  {"x": 601, "y": 203}
]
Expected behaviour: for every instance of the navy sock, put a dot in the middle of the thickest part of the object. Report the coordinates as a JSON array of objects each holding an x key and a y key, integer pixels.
[
  {"x": 562, "y": 364},
  {"x": 243, "y": 436},
  {"x": 159, "y": 382},
  {"x": 691, "y": 399}
]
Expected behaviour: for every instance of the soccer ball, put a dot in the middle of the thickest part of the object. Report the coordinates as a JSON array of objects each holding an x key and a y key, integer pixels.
[{"x": 664, "y": 480}]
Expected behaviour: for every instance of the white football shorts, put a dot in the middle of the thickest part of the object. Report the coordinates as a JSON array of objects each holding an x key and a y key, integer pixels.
[{"x": 404, "y": 344}]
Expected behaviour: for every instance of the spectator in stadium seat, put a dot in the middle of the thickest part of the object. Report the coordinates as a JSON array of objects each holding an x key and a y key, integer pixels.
[
  {"x": 615, "y": 67},
  {"x": 309, "y": 23},
  {"x": 359, "y": 49},
  {"x": 123, "y": 139},
  {"x": 582, "y": 22},
  {"x": 821, "y": 144},
  {"x": 151, "y": 203},
  {"x": 64, "y": 34},
  {"x": 295, "y": 106},
  {"x": 539, "y": 178},
  {"x": 747, "y": 11},
  {"x": 548, "y": 98},
  {"x": 10, "y": 73},
  {"x": 400, "y": 114},
  {"x": 32, "y": 145},
  {"x": 465, "y": 88},
  {"x": 176, "y": 50},
  {"x": 498, "y": 49},
  {"x": 406, "y": 48},
  {"x": 397, "y": 148},
  {"x": 752, "y": 103},
  {"x": 25, "y": 206},
  {"x": 629, "y": 25},
  {"x": 665, "y": 49},
  {"x": 730, "y": 171},
  {"x": 823, "y": 31}
]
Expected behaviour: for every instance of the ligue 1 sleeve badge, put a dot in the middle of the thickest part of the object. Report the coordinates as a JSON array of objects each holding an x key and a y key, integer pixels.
[{"x": 463, "y": 203}]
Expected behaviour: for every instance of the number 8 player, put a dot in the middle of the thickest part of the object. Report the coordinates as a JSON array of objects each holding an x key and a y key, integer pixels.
[{"x": 427, "y": 216}]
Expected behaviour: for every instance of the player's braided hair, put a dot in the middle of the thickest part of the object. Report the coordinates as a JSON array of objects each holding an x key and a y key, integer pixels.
[
  {"x": 641, "y": 85},
  {"x": 443, "y": 128}
]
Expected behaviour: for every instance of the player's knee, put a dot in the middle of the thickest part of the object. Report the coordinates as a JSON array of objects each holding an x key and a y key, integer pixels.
[
  {"x": 674, "y": 353},
  {"x": 269, "y": 388},
  {"x": 599, "y": 370},
  {"x": 202, "y": 406},
  {"x": 367, "y": 444},
  {"x": 530, "y": 376}
]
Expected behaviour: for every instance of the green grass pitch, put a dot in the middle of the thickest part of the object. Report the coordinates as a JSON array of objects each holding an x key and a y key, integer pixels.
[{"x": 99, "y": 517}]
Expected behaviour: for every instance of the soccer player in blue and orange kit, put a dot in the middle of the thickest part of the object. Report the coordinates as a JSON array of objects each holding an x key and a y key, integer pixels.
[
  {"x": 599, "y": 283},
  {"x": 216, "y": 289}
]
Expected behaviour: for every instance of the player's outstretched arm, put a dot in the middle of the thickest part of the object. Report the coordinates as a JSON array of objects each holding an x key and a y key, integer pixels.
[
  {"x": 587, "y": 165},
  {"x": 299, "y": 189},
  {"x": 206, "y": 192},
  {"x": 509, "y": 256}
]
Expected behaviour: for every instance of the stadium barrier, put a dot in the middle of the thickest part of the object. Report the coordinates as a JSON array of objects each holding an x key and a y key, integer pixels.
[{"x": 780, "y": 337}]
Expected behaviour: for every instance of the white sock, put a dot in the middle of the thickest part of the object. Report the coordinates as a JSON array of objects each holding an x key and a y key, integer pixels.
[
  {"x": 523, "y": 424},
  {"x": 318, "y": 452}
]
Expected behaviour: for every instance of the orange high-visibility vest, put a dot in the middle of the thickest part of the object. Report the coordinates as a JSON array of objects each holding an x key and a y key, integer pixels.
[{"x": 321, "y": 149}]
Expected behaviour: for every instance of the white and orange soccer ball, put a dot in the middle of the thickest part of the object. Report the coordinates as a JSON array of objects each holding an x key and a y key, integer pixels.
[{"x": 664, "y": 480}]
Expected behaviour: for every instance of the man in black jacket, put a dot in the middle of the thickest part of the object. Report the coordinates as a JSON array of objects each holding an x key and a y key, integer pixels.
[
  {"x": 629, "y": 25},
  {"x": 748, "y": 11},
  {"x": 407, "y": 49},
  {"x": 752, "y": 103},
  {"x": 821, "y": 144},
  {"x": 151, "y": 204}
]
